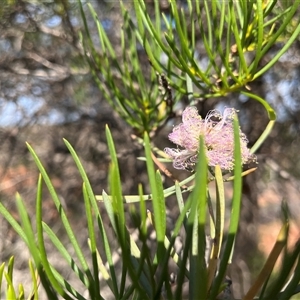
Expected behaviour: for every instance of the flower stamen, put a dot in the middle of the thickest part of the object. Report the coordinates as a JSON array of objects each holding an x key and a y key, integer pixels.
[{"x": 217, "y": 130}]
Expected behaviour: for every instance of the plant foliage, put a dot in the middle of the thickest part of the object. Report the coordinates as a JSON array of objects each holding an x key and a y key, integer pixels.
[{"x": 236, "y": 36}]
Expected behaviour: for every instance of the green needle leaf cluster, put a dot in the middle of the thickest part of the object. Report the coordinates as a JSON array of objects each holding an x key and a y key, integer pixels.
[
  {"x": 208, "y": 247},
  {"x": 235, "y": 37}
]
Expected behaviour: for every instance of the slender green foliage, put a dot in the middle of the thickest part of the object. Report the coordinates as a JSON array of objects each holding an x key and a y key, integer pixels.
[{"x": 156, "y": 64}]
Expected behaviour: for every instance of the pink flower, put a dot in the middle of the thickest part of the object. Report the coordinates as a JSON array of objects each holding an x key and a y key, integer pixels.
[{"x": 218, "y": 136}]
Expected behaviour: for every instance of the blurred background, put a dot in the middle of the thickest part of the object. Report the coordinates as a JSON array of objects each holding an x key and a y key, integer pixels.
[{"x": 47, "y": 93}]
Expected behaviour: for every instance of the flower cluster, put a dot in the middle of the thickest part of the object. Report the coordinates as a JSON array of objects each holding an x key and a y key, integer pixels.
[{"x": 217, "y": 130}]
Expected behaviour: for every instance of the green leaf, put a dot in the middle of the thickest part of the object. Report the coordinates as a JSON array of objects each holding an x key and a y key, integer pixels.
[
  {"x": 10, "y": 268},
  {"x": 34, "y": 293},
  {"x": 98, "y": 215},
  {"x": 234, "y": 215},
  {"x": 10, "y": 291},
  {"x": 220, "y": 208},
  {"x": 11, "y": 220},
  {"x": 289, "y": 14},
  {"x": 66, "y": 285},
  {"x": 21, "y": 292},
  {"x": 260, "y": 33},
  {"x": 32, "y": 246},
  {"x": 161, "y": 205},
  {"x": 157, "y": 202},
  {"x": 198, "y": 273},
  {"x": 28, "y": 231},
  {"x": 182, "y": 271},
  {"x": 116, "y": 187},
  {"x": 145, "y": 251},
  {"x": 294, "y": 283},
  {"x": 264, "y": 274},
  {"x": 118, "y": 219},
  {"x": 65, "y": 254},
  {"x": 179, "y": 196},
  {"x": 63, "y": 216},
  {"x": 271, "y": 112},
  {"x": 92, "y": 237},
  {"x": 167, "y": 192},
  {"x": 108, "y": 253},
  {"x": 195, "y": 243},
  {"x": 41, "y": 244},
  {"x": 156, "y": 198},
  {"x": 219, "y": 228},
  {"x": 2, "y": 266}
]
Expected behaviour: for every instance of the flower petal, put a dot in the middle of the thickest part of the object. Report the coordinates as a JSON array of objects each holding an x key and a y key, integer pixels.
[{"x": 218, "y": 135}]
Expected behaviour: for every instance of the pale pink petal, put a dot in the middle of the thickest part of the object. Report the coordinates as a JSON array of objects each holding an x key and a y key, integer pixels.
[{"x": 218, "y": 135}]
